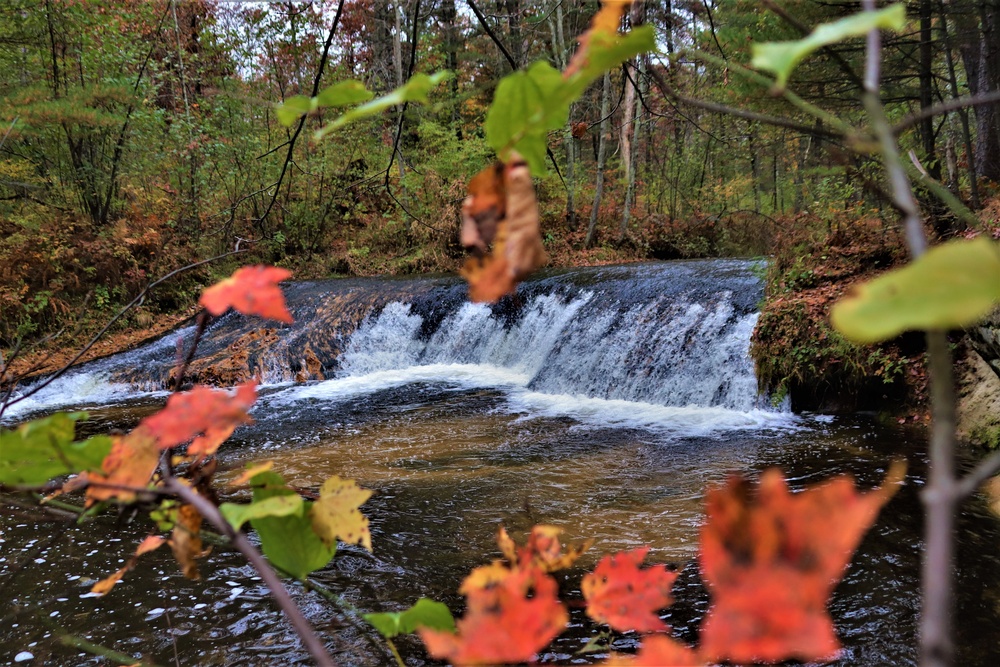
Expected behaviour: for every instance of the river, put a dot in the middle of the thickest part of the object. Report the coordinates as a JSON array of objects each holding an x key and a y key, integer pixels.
[{"x": 600, "y": 400}]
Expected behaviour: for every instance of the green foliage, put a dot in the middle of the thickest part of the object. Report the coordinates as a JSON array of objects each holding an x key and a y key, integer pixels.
[
  {"x": 340, "y": 94},
  {"x": 278, "y": 505},
  {"x": 782, "y": 57},
  {"x": 288, "y": 540},
  {"x": 39, "y": 450},
  {"x": 951, "y": 286},
  {"x": 414, "y": 90},
  {"x": 424, "y": 613}
]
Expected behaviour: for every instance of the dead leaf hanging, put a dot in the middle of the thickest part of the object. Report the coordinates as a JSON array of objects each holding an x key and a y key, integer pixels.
[{"x": 501, "y": 210}]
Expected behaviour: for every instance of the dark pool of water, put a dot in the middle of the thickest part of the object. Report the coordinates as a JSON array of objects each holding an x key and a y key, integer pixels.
[{"x": 447, "y": 468}]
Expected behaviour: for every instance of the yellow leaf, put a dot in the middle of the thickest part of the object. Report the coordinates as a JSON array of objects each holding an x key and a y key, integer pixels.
[{"x": 335, "y": 516}]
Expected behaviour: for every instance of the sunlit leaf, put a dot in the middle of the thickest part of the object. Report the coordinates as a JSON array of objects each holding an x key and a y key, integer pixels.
[
  {"x": 41, "y": 449},
  {"x": 414, "y": 90},
  {"x": 293, "y": 108},
  {"x": 626, "y": 597},
  {"x": 237, "y": 514},
  {"x": 484, "y": 576},
  {"x": 252, "y": 470},
  {"x": 344, "y": 93},
  {"x": 951, "y": 286},
  {"x": 509, "y": 622},
  {"x": 251, "y": 290},
  {"x": 425, "y": 613},
  {"x": 524, "y": 111},
  {"x": 335, "y": 516},
  {"x": 288, "y": 541},
  {"x": 771, "y": 559},
  {"x": 128, "y": 466},
  {"x": 782, "y": 57}
]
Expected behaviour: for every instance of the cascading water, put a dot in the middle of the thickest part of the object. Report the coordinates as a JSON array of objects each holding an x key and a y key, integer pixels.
[{"x": 656, "y": 345}]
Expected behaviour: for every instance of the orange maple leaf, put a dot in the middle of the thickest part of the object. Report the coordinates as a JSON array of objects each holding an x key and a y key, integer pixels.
[
  {"x": 251, "y": 290},
  {"x": 207, "y": 415},
  {"x": 657, "y": 651},
  {"x": 543, "y": 549},
  {"x": 502, "y": 623},
  {"x": 771, "y": 559},
  {"x": 129, "y": 465},
  {"x": 501, "y": 210},
  {"x": 625, "y": 597}
]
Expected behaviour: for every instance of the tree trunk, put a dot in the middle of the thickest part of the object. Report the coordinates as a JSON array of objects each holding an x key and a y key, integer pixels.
[
  {"x": 926, "y": 78},
  {"x": 633, "y": 109},
  {"x": 981, "y": 56},
  {"x": 560, "y": 55},
  {"x": 602, "y": 149},
  {"x": 963, "y": 114}
]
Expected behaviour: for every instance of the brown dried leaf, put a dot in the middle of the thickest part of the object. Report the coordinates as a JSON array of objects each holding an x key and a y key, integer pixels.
[
  {"x": 501, "y": 207},
  {"x": 185, "y": 541}
]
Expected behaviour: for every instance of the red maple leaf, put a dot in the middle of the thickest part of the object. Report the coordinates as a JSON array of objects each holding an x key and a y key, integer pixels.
[
  {"x": 502, "y": 623},
  {"x": 251, "y": 290},
  {"x": 657, "y": 651},
  {"x": 625, "y": 597},
  {"x": 771, "y": 558},
  {"x": 207, "y": 415}
]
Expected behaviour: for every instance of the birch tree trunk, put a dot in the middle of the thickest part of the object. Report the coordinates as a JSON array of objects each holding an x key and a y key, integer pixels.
[
  {"x": 602, "y": 150},
  {"x": 559, "y": 53},
  {"x": 634, "y": 109}
]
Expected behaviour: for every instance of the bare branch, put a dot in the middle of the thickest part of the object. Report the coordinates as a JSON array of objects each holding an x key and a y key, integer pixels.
[{"x": 278, "y": 591}]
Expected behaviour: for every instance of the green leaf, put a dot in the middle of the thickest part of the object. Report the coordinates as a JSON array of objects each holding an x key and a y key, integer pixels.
[
  {"x": 426, "y": 613},
  {"x": 517, "y": 118},
  {"x": 344, "y": 93},
  {"x": 39, "y": 450},
  {"x": 782, "y": 57},
  {"x": 288, "y": 541},
  {"x": 293, "y": 108},
  {"x": 237, "y": 514},
  {"x": 414, "y": 90},
  {"x": 527, "y": 105},
  {"x": 952, "y": 285}
]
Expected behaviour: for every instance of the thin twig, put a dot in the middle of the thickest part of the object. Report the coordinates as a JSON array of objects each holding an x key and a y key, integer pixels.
[
  {"x": 946, "y": 107},
  {"x": 982, "y": 472},
  {"x": 939, "y": 496},
  {"x": 302, "y": 121},
  {"x": 131, "y": 304},
  {"x": 278, "y": 591}
]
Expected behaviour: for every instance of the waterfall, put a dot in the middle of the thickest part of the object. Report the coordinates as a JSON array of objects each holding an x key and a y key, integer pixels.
[{"x": 644, "y": 342}]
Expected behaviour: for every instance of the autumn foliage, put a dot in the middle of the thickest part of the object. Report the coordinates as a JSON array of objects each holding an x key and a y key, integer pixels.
[
  {"x": 770, "y": 557},
  {"x": 251, "y": 290}
]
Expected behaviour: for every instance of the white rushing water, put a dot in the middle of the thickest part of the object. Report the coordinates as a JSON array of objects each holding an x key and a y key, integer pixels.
[
  {"x": 601, "y": 355},
  {"x": 691, "y": 374}
]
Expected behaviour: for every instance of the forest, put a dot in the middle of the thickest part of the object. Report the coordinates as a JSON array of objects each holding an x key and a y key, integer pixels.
[{"x": 828, "y": 171}]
